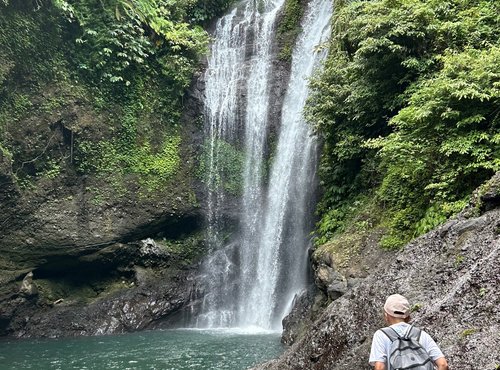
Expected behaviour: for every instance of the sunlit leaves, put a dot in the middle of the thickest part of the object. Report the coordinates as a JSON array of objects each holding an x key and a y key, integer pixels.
[{"x": 121, "y": 37}]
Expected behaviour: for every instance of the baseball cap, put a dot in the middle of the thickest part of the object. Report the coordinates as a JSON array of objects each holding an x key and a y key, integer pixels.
[{"x": 396, "y": 305}]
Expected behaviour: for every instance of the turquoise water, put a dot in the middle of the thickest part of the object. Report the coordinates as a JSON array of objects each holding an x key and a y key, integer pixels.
[{"x": 166, "y": 350}]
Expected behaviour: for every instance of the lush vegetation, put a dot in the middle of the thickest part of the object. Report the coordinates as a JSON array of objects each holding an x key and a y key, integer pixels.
[
  {"x": 128, "y": 61},
  {"x": 117, "y": 39},
  {"x": 290, "y": 27},
  {"x": 408, "y": 106}
]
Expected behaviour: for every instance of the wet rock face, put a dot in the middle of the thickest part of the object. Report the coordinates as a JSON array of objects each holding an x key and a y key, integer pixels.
[
  {"x": 134, "y": 309},
  {"x": 75, "y": 241},
  {"x": 300, "y": 318},
  {"x": 330, "y": 281},
  {"x": 451, "y": 277},
  {"x": 119, "y": 288},
  {"x": 70, "y": 210}
]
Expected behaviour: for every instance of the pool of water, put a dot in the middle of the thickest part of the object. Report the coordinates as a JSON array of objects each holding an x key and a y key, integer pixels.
[{"x": 166, "y": 350}]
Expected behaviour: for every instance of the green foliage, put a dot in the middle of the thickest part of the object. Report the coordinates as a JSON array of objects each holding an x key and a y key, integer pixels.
[
  {"x": 417, "y": 307},
  {"x": 145, "y": 145},
  {"x": 186, "y": 250},
  {"x": 459, "y": 259},
  {"x": 408, "y": 104},
  {"x": 51, "y": 170},
  {"x": 468, "y": 332},
  {"x": 393, "y": 240},
  {"x": 29, "y": 43},
  {"x": 289, "y": 27},
  {"x": 110, "y": 161},
  {"x": 119, "y": 38},
  {"x": 436, "y": 215},
  {"x": 202, "y": 11}
]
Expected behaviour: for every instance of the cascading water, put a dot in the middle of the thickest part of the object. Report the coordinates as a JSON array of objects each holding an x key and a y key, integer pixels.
[
  {"x": 253, "y": 282},
  {"x": 228, "y": 69}
]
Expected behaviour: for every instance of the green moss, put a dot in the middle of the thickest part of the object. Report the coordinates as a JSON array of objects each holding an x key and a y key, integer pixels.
[
  {"x": 459, "y": 259},
  {"x": 468, "y": 332},
  {"x": 113, "y": 163},
  {"x": 289, "y": 28},
  {"x": 344, "y": 248},
  {"x": 146, "y": 144},
  {"x": 75, "y": 291},
  {"x": 185, "y": 251},
  {"x": 53, "y": 103},
  {"x": 5, "y": 152},
  {"x": 51, "y": 170}
]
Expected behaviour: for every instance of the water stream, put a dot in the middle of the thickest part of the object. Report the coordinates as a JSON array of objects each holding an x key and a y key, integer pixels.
[{"x": 252, "y": 281}]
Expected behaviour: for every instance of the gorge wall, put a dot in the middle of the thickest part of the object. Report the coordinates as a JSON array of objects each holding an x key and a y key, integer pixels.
[
  {"x": 77, "y": 215},
  {"x": 86, "y": 173}
]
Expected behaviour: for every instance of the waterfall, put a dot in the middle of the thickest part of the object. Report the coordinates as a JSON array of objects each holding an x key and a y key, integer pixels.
[{"x": 252, "y": 281}]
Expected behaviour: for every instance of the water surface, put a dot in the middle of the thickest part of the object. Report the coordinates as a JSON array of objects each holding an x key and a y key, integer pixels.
[{"x": 166, "y": 350}]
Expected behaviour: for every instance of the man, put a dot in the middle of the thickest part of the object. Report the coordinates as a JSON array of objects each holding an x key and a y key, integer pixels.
[{"x": 397, "y": 316}]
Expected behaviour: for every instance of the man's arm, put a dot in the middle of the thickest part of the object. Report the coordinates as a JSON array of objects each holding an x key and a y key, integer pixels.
[
  {"x": 377, "y": 352},
  {"x": 441, "y": 363}
]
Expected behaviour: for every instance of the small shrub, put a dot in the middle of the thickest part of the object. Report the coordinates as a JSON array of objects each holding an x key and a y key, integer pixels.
[{"x": 468, "y": 332}]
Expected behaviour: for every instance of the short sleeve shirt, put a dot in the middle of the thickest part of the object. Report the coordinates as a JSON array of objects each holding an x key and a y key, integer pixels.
[{"x": 381, "y": 344}]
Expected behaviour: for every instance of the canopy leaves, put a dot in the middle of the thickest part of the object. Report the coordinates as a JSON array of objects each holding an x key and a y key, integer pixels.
[{"x": 408, "y": 107}]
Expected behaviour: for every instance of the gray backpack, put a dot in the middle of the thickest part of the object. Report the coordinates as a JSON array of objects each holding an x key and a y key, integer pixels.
[{"x": 406, "y": 351}]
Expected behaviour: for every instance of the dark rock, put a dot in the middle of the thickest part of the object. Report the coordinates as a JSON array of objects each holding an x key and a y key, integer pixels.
[
  {"x": 454, "y": 291},
  {"x": 131, "y": 309},
  {"x": 490, "y": 194},
  {"x": 331, "y": 281},
  {"x": 299, "y": 318},
  {"x": 118, "y": 288},
  {"x": 485, "y": 198}
]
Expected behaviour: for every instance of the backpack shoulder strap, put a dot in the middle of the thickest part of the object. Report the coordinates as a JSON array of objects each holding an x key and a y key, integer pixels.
[
  {"x": 391, "y": 333},
  {"x": 414, "y": 333}
]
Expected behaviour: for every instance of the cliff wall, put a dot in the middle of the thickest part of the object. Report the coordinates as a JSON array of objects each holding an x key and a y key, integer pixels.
[{"x": 451, "y": 277}]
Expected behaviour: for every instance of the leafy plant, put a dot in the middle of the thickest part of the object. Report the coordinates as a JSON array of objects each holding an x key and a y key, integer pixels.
[
  {"x": 126, "y": 36},
  {"x": 289, "y": 27},
  {"x": 408, "y": 104},
  {"x": 468, "y": 332}
]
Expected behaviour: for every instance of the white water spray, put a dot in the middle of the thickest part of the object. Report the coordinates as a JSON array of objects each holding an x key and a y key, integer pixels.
[{"x": 252, "y": 283}]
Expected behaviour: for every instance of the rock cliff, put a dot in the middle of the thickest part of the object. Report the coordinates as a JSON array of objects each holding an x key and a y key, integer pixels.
[
  {"x": 450, "y": 275},
  {"x": 78, "y": 235}
]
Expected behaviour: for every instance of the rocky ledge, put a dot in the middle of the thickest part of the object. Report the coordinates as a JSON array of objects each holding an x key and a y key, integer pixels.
[
  {"x": 117, "y": 289},
  {"x": 451, "y": 275}
]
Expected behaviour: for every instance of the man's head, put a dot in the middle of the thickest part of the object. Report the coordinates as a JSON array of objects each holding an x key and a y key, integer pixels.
[{"x": 396, "y": 306}]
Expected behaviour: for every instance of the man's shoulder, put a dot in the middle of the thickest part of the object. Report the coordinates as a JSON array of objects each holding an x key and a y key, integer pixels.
[{"x": 383, "y": 333}]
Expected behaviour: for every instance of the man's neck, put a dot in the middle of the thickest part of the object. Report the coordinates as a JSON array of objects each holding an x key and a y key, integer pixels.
[{"x": 394, "y": 320}]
